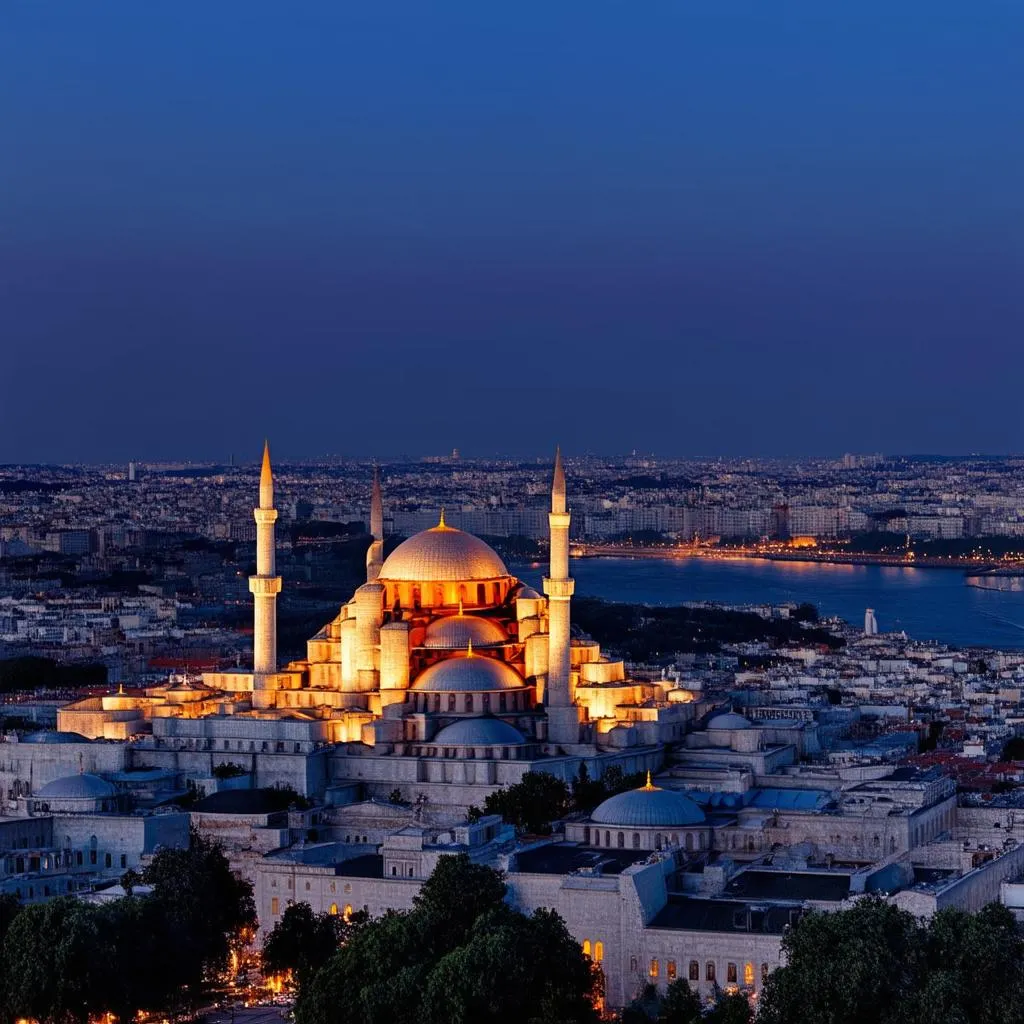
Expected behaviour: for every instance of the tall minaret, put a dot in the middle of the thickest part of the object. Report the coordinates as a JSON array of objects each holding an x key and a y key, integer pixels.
[
  {"x": 375, "y": 553},
  {"x": 563, "y": 717},
  {"x": 265, "y": 586}
]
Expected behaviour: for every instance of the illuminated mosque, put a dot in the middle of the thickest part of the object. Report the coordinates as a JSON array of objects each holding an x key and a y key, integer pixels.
[{"x": 443, "y": 675}]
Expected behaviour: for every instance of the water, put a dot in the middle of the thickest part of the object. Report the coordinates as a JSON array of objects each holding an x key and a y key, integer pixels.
[{"x": 930, "y": 604}]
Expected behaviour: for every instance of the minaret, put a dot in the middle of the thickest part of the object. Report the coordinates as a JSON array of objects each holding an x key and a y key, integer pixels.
[
  {"x": 375, "y": 553},
  {"x": 265, "y": 586},
  {"x": 563, "y": 717}
]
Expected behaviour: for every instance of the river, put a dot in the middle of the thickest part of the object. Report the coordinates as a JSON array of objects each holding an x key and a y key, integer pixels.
[{"x": 930, "y": 604}]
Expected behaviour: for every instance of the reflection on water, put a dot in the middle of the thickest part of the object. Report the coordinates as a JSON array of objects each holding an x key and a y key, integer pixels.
[{"x": 930, "y": 604}]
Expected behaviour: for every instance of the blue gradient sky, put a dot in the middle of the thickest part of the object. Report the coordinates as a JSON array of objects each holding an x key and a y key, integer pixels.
[{"x": 693, "y": 227}]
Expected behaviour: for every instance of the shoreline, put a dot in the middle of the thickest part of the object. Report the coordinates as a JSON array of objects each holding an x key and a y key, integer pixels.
[{"x": 968, "y": 566}]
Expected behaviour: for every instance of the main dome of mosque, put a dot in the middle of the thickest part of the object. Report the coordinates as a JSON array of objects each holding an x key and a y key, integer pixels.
[{"x": 442, "y": 554}]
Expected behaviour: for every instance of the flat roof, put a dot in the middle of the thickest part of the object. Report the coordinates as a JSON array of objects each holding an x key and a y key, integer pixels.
[
  {"x": 823, "y": 886},
  {"x": 689, "y": 913},
  {"x": 565, "y": 858}
]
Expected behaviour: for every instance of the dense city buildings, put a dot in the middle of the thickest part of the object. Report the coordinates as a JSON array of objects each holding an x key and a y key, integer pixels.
[{"x": 335, "y": 683}]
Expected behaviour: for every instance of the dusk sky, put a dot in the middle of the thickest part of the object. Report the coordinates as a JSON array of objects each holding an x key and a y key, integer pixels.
[{"x": 695, "y": 227}]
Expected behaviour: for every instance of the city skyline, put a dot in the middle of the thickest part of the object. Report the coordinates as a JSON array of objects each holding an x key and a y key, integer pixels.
[{"x": 717, "y": 229}]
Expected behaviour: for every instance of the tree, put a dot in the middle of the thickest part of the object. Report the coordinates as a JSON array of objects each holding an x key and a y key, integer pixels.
[
  {"x": 532, "y": 803},
  {"x": 302, "y": 942},
  {"x": 680, "y": 1004},
  {"x": 845, "y": 968},
  {"x": 1013, "y": 750}
]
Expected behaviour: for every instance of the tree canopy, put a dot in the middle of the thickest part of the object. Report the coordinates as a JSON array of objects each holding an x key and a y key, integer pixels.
[{"x": 460, "y": 955}]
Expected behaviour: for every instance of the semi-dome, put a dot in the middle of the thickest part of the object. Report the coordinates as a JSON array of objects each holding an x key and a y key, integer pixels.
[
  {"x": 55, "y": 737},
  {"x": 76, "y": 787},
  {"x": 729, "y": 720},
  {"x": 469, "y": 673},
  {"x": 442, "y": 554},
  {"x": 648, "y": 807},
  {"x": 459, "y": 631},
  {"x": 479, "y": 732}
]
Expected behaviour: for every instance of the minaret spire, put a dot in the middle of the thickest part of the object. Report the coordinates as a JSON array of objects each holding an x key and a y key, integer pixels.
[
  {"x": 563, "y": 716},
  {"x": 264, "y": 586},
  {"x": 375, "y": 553}
]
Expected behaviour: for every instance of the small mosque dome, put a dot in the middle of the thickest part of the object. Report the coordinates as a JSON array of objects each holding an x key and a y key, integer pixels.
[
  {"x": 479, "y": 732},
  {"x": 470, "y": 673},
  {"x": 442, "y": 554},
  {"x": 528, "y": 593},
  {"x": 55, "y": 737},
  {"x": 459, "y": 631},
  {"x": 650, "y": 807},
  {"x": 76, "y": 787},
  {"x": 729, "y": 720}
]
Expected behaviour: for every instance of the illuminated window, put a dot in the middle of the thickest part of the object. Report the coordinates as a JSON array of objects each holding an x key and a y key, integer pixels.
[
  {"x": 334, "y": 909},
  {"x": 709, "y": 971},
  {"x": 586, "y": 947},
  {"x": 671, "y": 970},
  {"x": 348, "y": 911},
  {"x": 653, "y": 972},
  {"x": 275, "y": 906},
  {"x": 599, "y": 951},
  {"x": 748, "y": 974},
  {"x": 694, "y": 971},
  {"x": 730, "y": 974}
]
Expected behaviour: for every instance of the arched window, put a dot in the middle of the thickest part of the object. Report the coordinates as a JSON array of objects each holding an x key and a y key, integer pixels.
[
  {"x": 694, "y": 971},
  {"x": 748, "y": 974},
  {"x": 469, "y": 702},
  {"x": 689, "y": 841},
  {"x": 598, "y": 951},
  {"x": 636, "y": 840},
  {"x": 622, "y": 840},
  {"x": 730, "y": 974},
  {"x": 481, "y": 594},
  {"x": 586, "y": 835},
  {"x": 502, "y": 702},
  {"x": 709, "y": 971},
  {"x": 654, "y": 968},
  {"x": 437, "y": 702},
  {"x": 334, "y": 909},
  {"x": 348, "y": 911},
  {"x": 764, "y": 973},
  {"x": 451, "y": 701},
  {"x": 586, "y": 947},
  {"x": 607, "y": 838},
  {"x": 703, "y": 840},
  {"x": 671, "y": 970}
]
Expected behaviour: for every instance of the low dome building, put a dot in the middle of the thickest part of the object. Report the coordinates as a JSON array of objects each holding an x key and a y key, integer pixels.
[
  {"x": 481, "y": 738},
  {"x": 458, "y": 632},
  {"x": 76, "y": 794},
  {"x": 472, "y": 684},
  {"x": 648, "y": 818}
]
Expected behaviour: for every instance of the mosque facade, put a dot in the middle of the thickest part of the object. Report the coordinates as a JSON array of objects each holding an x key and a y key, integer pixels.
[{"x": 443, "y": 676}]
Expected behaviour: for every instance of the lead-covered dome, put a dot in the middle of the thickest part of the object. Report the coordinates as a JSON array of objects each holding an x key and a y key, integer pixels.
[
  {"x": 468, "y": 674},
  {"x": 729, "y": 720},
  {"x": 479, "y": 732},
  {"x": 459, "y": 631},
  {"x": 77, "y": 787},
  {"x": 442, "y": 554},
  {"x": 648, "y": 807}
]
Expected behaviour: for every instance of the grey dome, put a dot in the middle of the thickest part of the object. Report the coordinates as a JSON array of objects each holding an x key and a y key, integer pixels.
[
  {"x": 458, "y": 631},
  {"x": 77, "y": 787},
  {"x": 527, "y": 592},
  {"x": 470, "y": 673},
  {"x": 55, "y": 737},
  {"x": 648, "y": 807},
  {"x": 479, "y": 732},
  {"x": 729, "y": 720}
]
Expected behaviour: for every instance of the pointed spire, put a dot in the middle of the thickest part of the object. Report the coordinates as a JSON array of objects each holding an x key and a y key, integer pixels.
[
  {"x": 266, "y": 479},
  {"x": 376, "y": 508},
  {"x": 649, "y": 787},
  {"x": 441, "y": 524},
  {"x": 469, "y": 648},
  {"x": 461, "y": 612},
  {"x": 558, "y": 484}
]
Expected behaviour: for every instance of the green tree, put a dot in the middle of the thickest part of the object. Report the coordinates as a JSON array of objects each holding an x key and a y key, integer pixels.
[
  {"x": 454, "y": 896},
  {"x": 531, "y": 804},
  {"x": 846, "y": 968},
  {"x": 302, "y": 941},
  {"x": 734, "y": 1008},
  {"x": 680, "y": 1004}
]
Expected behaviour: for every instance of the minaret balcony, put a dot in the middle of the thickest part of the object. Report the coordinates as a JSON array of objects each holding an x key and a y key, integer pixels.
[
  {"x": 265, "y": 586},
  {"x": 559, "y": 589}
]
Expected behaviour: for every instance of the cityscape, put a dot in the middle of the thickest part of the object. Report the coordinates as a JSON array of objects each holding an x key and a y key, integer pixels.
[{"x": 511, "y": 514}]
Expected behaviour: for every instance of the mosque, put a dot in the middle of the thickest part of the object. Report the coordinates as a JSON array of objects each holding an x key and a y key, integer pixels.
[{"x": 443, "y": 676}]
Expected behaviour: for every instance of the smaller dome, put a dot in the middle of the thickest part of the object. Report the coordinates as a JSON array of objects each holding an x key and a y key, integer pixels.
[
  {"x": 648, "y": 807},
  {"x": 55, "y": 737},
  {"x": 468, "y": 673},
  {"x": 76, "y": 787},
  {"x": 459, "y": 631},
  {"x": 479, "y": 732},
  {"x": 528, "y": 592},
  {"x": 729, "y": 720}
]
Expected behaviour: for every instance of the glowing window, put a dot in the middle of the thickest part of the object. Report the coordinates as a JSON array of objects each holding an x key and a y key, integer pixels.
[
  {"x": 671, "y": 968},
  {"x": 586, "y": 947},
  {"x": 334, "y": 909},
  {"x": 348, "y": 911},
  {"x": 275, "y": 906},
  {"x": 599, "y": 951},
  {"x": 748, "y": 974},
  {"x": 653, "y": 972}
]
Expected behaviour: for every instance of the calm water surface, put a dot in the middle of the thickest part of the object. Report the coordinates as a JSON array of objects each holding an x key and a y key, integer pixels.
[{"x": 930, "y": 604}]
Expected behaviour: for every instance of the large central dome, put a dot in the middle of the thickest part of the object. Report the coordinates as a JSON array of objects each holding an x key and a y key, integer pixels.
[{"x": 442, "y": 555}]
